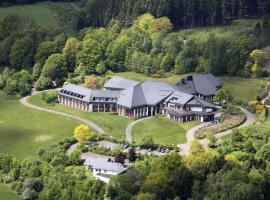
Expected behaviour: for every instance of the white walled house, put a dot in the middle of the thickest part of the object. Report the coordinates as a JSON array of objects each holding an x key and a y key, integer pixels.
[
  {"x": 104, "y": 168},
  {"x": 183, "y": 102}
]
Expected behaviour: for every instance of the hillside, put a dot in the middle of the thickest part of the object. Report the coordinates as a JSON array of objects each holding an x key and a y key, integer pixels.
[{"x": 46, "y": 14}]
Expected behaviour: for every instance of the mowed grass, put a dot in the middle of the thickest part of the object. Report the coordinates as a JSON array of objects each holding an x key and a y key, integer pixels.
[
  {"x": 23, "y": 130},
  {"x": 111, "y": 123},
  {"x": 162, "y": 130},
  {"x": 245, "y": 88},
  {"x": 7, "y": 194},
  {"x": 41, "y": 13},
  {"x": 173, "y": 79}
]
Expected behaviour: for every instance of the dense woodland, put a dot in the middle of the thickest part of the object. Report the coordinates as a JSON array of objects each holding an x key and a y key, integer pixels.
[
  {"x": 148, "y": 46},
  {"x": 182, "y": 13}
]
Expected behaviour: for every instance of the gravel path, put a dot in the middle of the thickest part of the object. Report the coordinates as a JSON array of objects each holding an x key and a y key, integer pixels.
[
  {"x": 184, "y": 148},
  {"x": 130, "y": 127},
  {"x": 94, "y": 126}
]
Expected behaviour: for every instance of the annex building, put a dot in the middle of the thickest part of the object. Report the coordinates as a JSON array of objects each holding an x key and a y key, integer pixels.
[{"x": 185, "y": 101}]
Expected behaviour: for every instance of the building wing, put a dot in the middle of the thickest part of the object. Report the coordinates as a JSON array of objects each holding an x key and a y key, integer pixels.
[{"x": 119, "y": 83}]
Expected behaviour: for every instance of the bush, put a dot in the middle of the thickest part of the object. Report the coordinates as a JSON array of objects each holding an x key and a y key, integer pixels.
[
  {"x": 199, "y": 135},
  {"x": 43, "y": 83},
  {"x": 50, "y": 97}
]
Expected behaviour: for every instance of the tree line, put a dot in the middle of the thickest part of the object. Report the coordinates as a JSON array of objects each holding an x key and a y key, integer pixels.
[{"x": 182, "y": 13}]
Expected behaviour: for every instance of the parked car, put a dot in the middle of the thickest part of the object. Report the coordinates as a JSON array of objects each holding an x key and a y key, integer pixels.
[
  {"x": 162, "y": 150},
  {"x": 149, "y": 150},
  {"x": 167, "y": 150}
]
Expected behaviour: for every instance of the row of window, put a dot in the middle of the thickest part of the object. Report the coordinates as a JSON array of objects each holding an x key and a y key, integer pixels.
[
  {"x": 103, "y": 99},
  {"x": 72, "y": 94}
]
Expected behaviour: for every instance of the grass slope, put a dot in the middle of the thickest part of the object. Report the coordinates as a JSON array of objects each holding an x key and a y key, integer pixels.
[
  {"x": 24, "y": 130},
  {"x": 162, "y": 130},
  {"x": 41, "y": 13},
  {"x": 246, "y": 88},
  {"x": 111, "y": 123},
  {"x": 7, "y": 194}
]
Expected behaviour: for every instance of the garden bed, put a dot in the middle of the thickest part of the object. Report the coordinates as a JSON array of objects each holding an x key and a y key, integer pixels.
[{"x": 229, "y": 122}]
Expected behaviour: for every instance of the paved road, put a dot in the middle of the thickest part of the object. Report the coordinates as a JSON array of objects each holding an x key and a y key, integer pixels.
[
  {"x": 184, "y": 148},
  {"x": 94, "y": 126},
  {"x": 130, "y": 127}
]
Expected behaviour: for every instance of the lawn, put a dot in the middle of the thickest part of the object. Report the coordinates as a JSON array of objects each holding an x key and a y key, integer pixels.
[
  {"x": 41, "y": 13},
  {"x": 162, "y": 130},
  {"x": 141, "y": 77},
  {"x": 46, "y": 14},
  {"x": 111, "y": 123},
  {"x": 246, "y": 88},
  {"x": 7, "y": 194},
  {"x": 23, "y": 130}
]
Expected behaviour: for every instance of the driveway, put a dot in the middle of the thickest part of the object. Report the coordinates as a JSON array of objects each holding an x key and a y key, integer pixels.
[
  {"x": 130, "y": 127},
  {"x": 184, "y": 148},
  {"x": 24, "y": 101}
]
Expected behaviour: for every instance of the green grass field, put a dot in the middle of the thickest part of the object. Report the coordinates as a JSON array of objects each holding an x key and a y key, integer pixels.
[
  {"x": 162, "y": 130},
  {"x": 245, "y": 88},
  {"x": 7, "y": 194},
  {"x": 111, "y": 123},
  {"x": 41, "y": 13},
  {"x": 24, "y": 130},
  {"x": 141, "y": 77}
]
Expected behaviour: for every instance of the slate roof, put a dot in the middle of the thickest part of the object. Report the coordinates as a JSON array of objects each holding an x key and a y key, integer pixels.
[
  {"x": 119, "y": 83},
  {"x": 179, "y": 98},
  {"x": 104, "y": 164},
  {"x": 200, "y": 102},
  {"x": 204, "y": 84},
  {"x": 147, "y": 93},
  {"x": 75, "y": 90},
  {"x": 88, "y": 95}
]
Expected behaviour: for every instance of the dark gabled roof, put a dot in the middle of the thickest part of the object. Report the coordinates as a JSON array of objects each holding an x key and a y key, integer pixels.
[
  {"x": 119, "y": 83},
  {"x": 196, "y": 101},
  {"x": 204, "y": 84},
  {"x": 178, "y": 97},
  {"x": 186, "y": 86},
  {"x": 147, "y": 93}
]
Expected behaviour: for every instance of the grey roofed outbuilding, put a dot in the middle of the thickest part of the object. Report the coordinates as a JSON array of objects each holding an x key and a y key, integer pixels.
[
  {"x": 147, "y": 93},
  {"x": 104, "y": 164},
  {"x": 119, "y": 83}
]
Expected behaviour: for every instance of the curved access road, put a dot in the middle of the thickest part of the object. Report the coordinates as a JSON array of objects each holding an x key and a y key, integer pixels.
[
  {"x": 130, "y": 127},
  {"x": 250, "y": 119},
  {"x": 94, "y": 126}
]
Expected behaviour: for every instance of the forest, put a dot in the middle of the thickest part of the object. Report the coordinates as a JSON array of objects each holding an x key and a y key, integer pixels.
[
  {"x": 182, "y": 13},
  {"x": 29, "y": 52}
]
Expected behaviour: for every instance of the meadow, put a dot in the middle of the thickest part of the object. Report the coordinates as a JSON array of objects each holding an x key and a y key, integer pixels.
[
  {"x": 41, "y": 13},
  {"x": 162, "y": 130},
  {"x": 111, "y": 123},
  {"x": 23, "y": 130},
  {"x": 7, "y": 194},
  {"x": 46, "y": 14}
]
